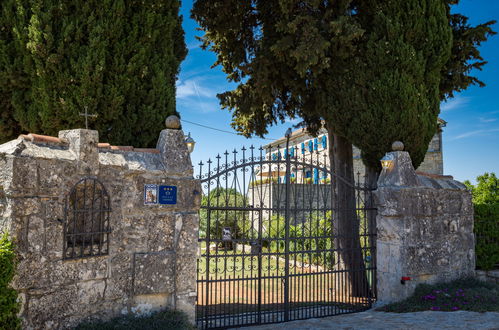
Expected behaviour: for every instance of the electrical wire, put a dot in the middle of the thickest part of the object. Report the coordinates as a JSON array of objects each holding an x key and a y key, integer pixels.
[{"x": 221, "y": 130}]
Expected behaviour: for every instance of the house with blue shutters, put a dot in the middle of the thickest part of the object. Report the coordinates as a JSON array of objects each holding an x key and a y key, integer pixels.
[{"x": 302, "y": 144}]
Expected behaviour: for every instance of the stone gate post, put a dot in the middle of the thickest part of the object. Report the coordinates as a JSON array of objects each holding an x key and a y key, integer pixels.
[{"x": 424, "y": 228}]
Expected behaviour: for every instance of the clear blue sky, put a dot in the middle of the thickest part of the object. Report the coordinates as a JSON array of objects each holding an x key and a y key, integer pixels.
[{"x": 471, "y": 138}]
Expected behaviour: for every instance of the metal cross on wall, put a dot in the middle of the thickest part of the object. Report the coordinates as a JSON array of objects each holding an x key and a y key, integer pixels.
[{"x": 86, "y": 115}]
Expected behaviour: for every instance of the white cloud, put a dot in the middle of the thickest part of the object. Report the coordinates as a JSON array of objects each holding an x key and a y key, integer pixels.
[
  {"x": 477, "y": 132},
  {"x": 487, "y": 120},
  {"x": 193, "y": 45},
  {"x": 189, "y": 88},
  {"x": 457, "y": 102}
]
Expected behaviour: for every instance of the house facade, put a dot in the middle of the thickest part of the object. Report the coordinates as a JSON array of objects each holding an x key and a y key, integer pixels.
[{"x": 316, "y": 149}]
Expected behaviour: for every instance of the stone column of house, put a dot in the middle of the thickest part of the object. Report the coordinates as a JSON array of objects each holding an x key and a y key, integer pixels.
[{"x": 424, "y": 229}]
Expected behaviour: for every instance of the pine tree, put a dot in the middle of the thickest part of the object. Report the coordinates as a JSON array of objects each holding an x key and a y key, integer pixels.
[{"x": 119, "y": 59}]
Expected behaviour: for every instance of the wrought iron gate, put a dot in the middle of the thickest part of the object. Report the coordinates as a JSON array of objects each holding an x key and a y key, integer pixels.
[{"x": 276, "y": 245}]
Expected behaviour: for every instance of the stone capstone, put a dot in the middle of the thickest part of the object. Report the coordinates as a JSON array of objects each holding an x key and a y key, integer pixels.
[{"x": 172, "y": 122}]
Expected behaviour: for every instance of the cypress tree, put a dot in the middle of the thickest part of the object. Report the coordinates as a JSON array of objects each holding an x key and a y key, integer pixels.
[
  {"x": 398, "y": 73},
  {"x": 10, "y": 76},
  {"x": 119, "y": 59}
]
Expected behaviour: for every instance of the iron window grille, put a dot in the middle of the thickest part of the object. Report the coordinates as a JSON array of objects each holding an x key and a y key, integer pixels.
[{"x": 86, "y": 220}]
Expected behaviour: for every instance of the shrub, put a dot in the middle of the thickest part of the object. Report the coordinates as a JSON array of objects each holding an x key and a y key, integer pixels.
[
  {"x": 463, "y": 294},
  {"x": 486, "y": 203},
  {"x": 487, "y": 235},
  {"x": 164, "y": 320},
  {"x": 8, "y": 296}
]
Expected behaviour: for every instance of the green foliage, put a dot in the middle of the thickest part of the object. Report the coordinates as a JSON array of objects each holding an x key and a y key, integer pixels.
[
  {"x": 486, "y": 204},
  {"x": 118, "y": 58},
  {"x": 238, "y": 220},
  {"x": 486, "y": 228},
  {"x": 314, "y": 234},
  {"x": 398, "y": 77},
  {"x": 8, "y": 296},
  {"x": 466, "y": 40},
  {"x": 464, "y": 294},
  {"x": 487, "y": 189},
  {"x": 160, "y": 320}
]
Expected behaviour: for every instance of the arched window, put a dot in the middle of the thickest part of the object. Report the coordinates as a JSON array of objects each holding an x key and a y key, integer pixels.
[{"x": 86, "y": 225}]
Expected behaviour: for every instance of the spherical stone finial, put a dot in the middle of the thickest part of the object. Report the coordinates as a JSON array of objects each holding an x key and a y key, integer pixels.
[
  {"x": 397, "y": 146},
  {"x": 172, "y": 122}
]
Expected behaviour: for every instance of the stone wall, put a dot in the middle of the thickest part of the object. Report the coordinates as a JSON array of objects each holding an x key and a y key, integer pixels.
[
  {"x": 491, "y": 276},
  {"x": 424, "y": 230},
  {"x": 151, "y": 259}
]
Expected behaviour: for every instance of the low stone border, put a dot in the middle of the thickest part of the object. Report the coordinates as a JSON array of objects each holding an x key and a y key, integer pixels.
[{"x": 491, "y": 276}]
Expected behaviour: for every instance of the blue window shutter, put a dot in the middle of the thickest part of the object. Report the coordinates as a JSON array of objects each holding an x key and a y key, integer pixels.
[
  {"x": 292, "y": 154},
  {"x": 303, "y": 148},
  {"x": 316, "y": 144},
  {"x": 316, "y": 176},
  {"x": 307, "y": 174},
  {"x": 324, "y": 142},
  {"x": 310, "y": 146},
  {"x": 324, "y": 174}
]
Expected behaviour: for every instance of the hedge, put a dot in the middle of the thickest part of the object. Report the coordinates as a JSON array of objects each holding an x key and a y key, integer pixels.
[
  {"x": 487, "y": 235},
  {"x": 8, "y": 296}
]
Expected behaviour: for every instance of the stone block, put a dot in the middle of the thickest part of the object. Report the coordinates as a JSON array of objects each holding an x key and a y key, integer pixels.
[
  {"x": 174, "y": 153},
  {"x": 186, "y": 273},
  {"x": 147, "y": 303},
  {"x": 91, "y": 292},
  {"x": 49, "y": 309},
  {"x": 161, "y": 233},
  {"x": 25, "y": 177},
  {"x": 391, "y": 229},
  {"x": 188, "y": 232},
  {"x": 154, "y": 273},
  {"x": 83, "y": 143},
  {"x": 120, "y": 276}
]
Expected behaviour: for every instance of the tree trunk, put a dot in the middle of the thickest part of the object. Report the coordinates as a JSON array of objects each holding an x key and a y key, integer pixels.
[
  {"x": 345, "y": 219},
  {"x": 371, "y": 183}
]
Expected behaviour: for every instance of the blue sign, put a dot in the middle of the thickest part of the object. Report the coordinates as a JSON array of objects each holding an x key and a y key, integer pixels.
[{"x": 167, "y": 195}]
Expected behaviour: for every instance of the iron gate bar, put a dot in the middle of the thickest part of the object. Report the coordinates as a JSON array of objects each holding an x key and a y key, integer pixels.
[{"x": 241, "y": 283}]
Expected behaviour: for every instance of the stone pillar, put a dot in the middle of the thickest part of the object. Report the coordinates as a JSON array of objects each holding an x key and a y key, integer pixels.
[
  {"x": 424, "y": 229},
  {"x": 176, "y": 160},
  {"x": 83, "y": 143},
  {"x": 174, "y": 153}
]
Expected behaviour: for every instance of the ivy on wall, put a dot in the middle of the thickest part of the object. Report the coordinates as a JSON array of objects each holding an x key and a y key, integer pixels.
[{"x": 8, "y": 296}]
